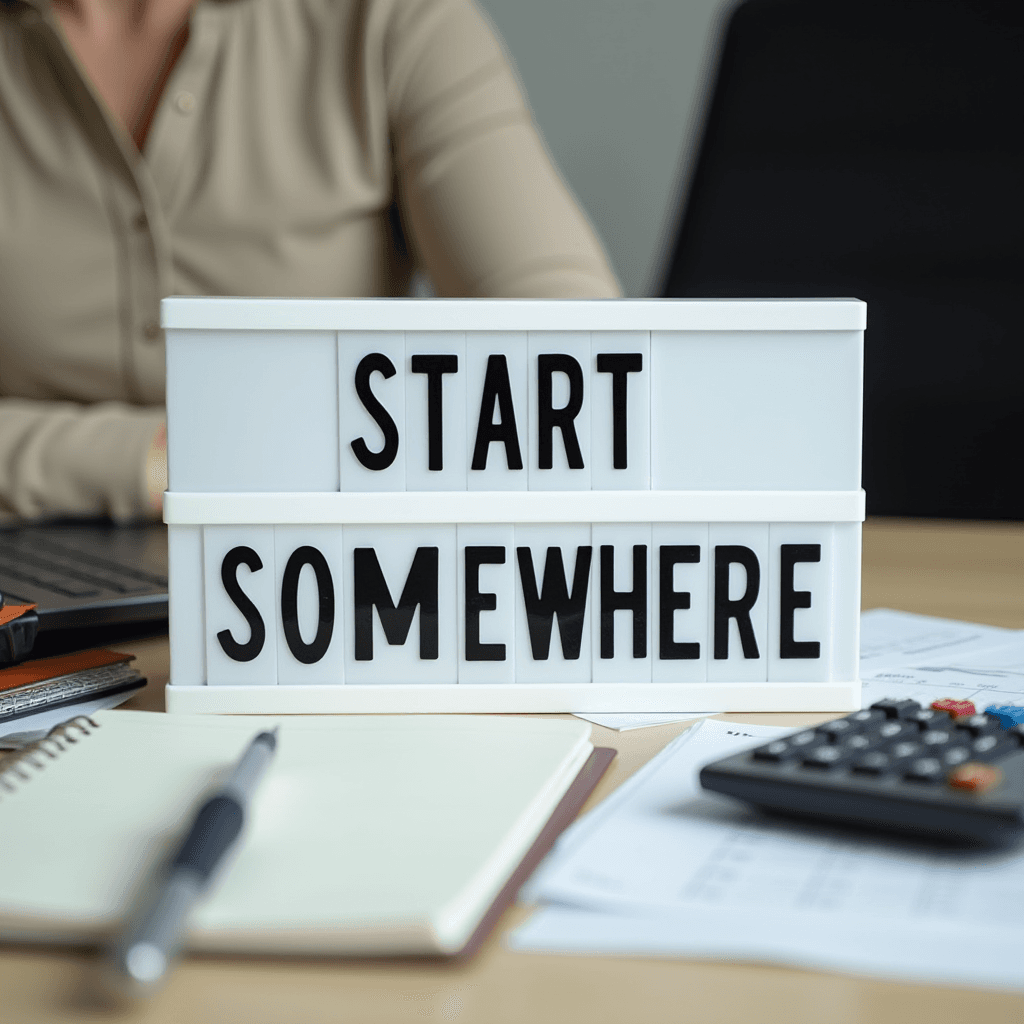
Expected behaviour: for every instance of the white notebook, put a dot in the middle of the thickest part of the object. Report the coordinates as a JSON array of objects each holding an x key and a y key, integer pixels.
[{"x": 368, "y": 834}]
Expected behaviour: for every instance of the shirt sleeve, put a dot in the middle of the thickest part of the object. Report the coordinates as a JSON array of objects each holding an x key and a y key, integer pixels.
[
  {"x": 487, "y": 212},
  {"x": 75, "y": 460}
]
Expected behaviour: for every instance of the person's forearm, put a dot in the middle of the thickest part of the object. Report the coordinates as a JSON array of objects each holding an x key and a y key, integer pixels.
[
  {"x": 488, "y": 213},
  {"x": 64, "y": 459}
]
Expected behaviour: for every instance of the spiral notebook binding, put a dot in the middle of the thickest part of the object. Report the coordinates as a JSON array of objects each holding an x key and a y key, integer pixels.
[{"x": 15, "y": 769}]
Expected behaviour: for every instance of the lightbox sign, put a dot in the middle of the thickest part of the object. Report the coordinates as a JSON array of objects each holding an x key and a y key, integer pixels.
[{"x": 516, "y": 505}]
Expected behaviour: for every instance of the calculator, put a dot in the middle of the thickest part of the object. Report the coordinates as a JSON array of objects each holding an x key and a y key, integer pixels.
[{"x": 941, "y": 771}]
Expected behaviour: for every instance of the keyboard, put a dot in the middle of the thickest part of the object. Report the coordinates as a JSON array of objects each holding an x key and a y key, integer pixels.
[
  {"x": 944, "y": 771},
  {"x": 84, "y": 575}
]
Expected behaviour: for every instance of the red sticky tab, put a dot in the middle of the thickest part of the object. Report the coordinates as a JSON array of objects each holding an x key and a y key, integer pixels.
[
  {"x": 957, "y": 708},
  {"x": 975, "y": 777}
]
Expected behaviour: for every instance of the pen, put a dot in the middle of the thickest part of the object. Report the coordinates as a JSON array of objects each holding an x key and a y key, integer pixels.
[{"x": 153, "y": 936}]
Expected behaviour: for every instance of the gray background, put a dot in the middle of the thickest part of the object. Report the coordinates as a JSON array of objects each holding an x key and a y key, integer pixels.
[{"x": 616, "y": 87}]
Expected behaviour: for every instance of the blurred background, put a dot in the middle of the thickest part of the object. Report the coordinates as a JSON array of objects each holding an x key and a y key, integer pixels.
[
  {"x": 784, "y": 148},
  {"x": 617, "y": 88}
]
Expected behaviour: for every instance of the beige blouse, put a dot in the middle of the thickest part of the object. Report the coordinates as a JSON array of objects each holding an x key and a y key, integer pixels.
[{"x": 292, "y": 140}]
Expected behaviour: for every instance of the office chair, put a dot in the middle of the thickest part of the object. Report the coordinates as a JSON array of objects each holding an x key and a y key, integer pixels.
[{"x": 858, "y": 148}]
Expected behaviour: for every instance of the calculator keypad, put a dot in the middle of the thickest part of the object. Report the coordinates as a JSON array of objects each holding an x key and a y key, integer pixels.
[
  {"x": 898, "y": 737},
  {"x": 896, "y": 764}
]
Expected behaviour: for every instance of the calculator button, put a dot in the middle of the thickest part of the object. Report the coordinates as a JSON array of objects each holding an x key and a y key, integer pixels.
[
  {"x": 929, "y": 718},
  {"x": 936, "y": 737},
  {"x": 956, "y": 755},
  {"x": 925, "y": 769},
  {"x": 858, "y": 742},
  {"x": 896, "y": 708},
  {"x": 991, "y": 748},
  {"x": 872, "y": 763},
  {"x": 1008, "y": 714},
  {"x": 975, "y": 778},
  {"x": 893, "y": 730},
  {"x": 867, "y": 716},
  {"x": 979, "y": 725},
  {"x": 777, "y": 751},
  {"x": 801, "y": 739},
  {"x": 838, "y": 729},
  {"x": 957, "y": 708},
  {"x": 901, "y": 751},
  {"x": 823, "y": 757},
  {"x": 1016, "y": 734}
]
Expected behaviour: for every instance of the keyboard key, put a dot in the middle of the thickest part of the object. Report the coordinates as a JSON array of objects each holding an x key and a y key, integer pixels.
[
  {"x": 823, "y": 757},
  {"x": 925, "y": 769},
  {"x": 872, "y": 763},
  {"x": 975, "y": 778},
  {"x": 1009, "y": 715},
  {"x": 979, "y": 725},
  {"x": 957, "y": 708},
  {"x": 896, "y": 708}
]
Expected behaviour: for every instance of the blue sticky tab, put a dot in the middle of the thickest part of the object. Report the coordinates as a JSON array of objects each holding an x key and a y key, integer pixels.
[{"x": 1008, "y": 714}]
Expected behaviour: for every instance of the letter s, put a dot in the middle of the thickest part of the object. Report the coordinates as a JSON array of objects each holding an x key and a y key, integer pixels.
[{"x": 257, "y": 630}]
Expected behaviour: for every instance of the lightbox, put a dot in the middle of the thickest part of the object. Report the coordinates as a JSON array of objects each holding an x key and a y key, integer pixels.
[{"x": 513, "y": 505}]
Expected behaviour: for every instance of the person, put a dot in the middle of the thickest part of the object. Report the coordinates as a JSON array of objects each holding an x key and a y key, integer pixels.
[{"x": 240, "y": 147}]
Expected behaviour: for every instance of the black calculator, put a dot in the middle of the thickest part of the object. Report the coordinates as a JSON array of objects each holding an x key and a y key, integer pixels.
[{"x": 896, "y": 765}]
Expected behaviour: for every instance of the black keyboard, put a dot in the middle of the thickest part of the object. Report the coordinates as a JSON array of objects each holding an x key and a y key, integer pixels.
[
  {"x": 85, "y": 575},
  {"x": 895, "y": 765}
]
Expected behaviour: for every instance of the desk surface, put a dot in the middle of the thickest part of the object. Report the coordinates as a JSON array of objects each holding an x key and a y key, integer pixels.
[{"x": 972, "y": 571}]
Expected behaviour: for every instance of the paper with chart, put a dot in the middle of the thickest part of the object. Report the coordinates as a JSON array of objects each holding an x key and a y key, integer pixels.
[
  {"x": 764, "y": 888},
  {"x": 889, "y": 638},
  {"x": 926, "y": 659}
]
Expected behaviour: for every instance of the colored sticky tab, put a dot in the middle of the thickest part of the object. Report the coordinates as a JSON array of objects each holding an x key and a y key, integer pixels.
[
  {"x": 1008, "y": 714},
  {"x": 10, "y": 612},
  {"x": 957, "y": 708},
  {"x": 975, "y": 778}
]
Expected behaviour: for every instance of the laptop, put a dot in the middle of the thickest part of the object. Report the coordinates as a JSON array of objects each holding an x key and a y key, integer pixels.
[{"x": 91, "y": 582}]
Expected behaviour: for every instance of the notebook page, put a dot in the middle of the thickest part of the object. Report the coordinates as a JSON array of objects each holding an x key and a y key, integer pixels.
[{"x": 362, "y": 823}]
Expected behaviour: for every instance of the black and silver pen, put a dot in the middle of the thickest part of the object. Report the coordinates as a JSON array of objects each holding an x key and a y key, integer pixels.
[{"x": 143, "y": 952}]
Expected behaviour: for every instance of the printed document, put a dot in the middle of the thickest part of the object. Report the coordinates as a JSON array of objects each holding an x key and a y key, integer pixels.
[
  {"x": 664, "y": 868},
  {"x": 926, "y": 659}
]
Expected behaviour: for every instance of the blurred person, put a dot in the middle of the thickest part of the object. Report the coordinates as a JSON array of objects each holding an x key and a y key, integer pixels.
[{"x": 240, "y": 147}]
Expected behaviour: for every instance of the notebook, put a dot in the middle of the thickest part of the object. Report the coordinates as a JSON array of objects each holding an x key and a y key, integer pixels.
[
  {"x": 369, "y": 834},
  {"x": 39, "y": 695}
]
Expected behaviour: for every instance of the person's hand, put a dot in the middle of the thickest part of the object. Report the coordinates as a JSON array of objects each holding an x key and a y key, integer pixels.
[{"x": 156, "y": 470}]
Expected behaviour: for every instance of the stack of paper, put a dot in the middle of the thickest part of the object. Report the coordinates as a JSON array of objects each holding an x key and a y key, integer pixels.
[{"x": 663, "y": 868}]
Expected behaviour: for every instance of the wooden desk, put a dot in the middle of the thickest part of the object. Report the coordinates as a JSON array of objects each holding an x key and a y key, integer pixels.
[{"x": 970, "y": 571}]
